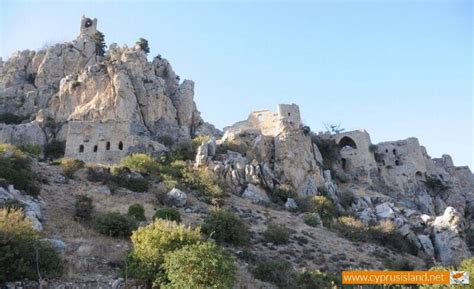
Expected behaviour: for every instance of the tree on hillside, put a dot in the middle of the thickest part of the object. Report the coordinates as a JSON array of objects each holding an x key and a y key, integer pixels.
[
  {"x": 99, "y": 39},
  {"x": 143, "y": 43}
]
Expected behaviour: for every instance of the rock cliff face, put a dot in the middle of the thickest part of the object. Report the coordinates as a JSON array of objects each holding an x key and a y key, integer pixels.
[{"x": 71, "y": 81}]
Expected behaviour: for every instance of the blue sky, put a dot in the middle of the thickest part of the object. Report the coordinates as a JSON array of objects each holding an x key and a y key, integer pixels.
[{"x": 396, "y": 68}]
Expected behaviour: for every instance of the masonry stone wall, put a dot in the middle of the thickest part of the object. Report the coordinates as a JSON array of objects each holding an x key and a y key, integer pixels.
[
  {"x": 354, "y": 148},
  {"x": 401, "y": 163},
  {"x": 107, "y": 142},
  {"x": 267, "y": 122}
]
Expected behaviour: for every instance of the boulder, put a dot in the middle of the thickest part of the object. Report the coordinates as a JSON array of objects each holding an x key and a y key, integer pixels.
[
  {"x": 384, "y": 211},
  {"x": 176, "y": 198},
  {"x": 57, "y": 244},
  {"x": 291, "y": 204},
  {"x": 449, "y": 245},
  {"x": 426, "y": 244},
  {"x": 256, "y": 195}
]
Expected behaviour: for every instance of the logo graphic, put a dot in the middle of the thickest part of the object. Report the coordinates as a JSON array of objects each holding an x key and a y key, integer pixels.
[{"x": 459, "y": 277}]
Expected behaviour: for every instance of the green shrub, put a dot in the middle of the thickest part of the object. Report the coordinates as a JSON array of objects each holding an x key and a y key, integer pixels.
[
  {"x": 115, "y": 224},
  {"x": 202, "y": 181},
  {"x": 277, "y": 234},
  {"x": 33, "y": 149},
  {"x": 398, "y": 265},
  {"x": 133, "y": 184},
  {"x": 12, "y": 204},
  {"x": 351, "y": 228},
  {"x": 142, "y": 163},
  {"x": 55, "y": 149},
  {"x": 276, "y": 272},
  {"x": 347, "y": 198},
  {"x": 137, "y": 211},
  {"x": 143, "y": 44},
  {"x": 16, "y": 169},
  {"x": 121, "y": 177},
  {"x": 312, "y": 219},
  {"x": 166, "y": 140},
  {"x": 99, "y": 40},
  {"x": 226, "y": 227},
  {"x": 324, "y": 207},
  {"x": 281, "y": 194},
  {"x": 373, "y": 148},
  {"x": 22, "y": 253},
  {"x": 70, "y": 166},
  {"x": 10, "y": 118},
  {"x": 83, "y": 208},
  {"x": 169, "y": 214},
  {"x": 305, "y": 204},
  {"x": 435, "y": 184},
  {"x": 315, "y": 279},
  {"x": 202, "y": 265},
  {"x": 152, "y": 242},
  {"x": 186, "y": 150},
  {"x": 385, "y": 233},
  {"x": 329, "y": 151}
]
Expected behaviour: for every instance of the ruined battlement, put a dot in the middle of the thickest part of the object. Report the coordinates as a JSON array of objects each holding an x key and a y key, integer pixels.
[{"x": 269, "y": 123}]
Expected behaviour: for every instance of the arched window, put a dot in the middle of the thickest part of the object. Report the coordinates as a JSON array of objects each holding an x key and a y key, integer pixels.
[
  {"x": 107, "y": 146},
  {"x": 95, "y": 148},
  {"x": 260, "y": 118},
  {"x": 120, "y": 145},
  {"x": 347, "y": 141},
  {"x": 81, "y": 148}
]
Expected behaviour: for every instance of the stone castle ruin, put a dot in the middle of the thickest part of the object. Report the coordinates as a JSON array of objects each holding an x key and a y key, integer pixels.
[
  {"x": 267, "y": 122},
  {"x": 107, "y": 141},
  {"x": 105, "y": 107}
]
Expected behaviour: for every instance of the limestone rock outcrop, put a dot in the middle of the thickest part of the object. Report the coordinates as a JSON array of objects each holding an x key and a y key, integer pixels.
[
  {"x": 448, "y": 243},
  {"x": 74, "y": 82}
]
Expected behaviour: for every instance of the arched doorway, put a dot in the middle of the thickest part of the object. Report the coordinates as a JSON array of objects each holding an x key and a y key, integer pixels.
[{"x": 347, "y": 141}]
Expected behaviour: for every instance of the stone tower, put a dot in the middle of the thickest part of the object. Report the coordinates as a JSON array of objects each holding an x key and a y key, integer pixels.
[
  {"x": 290, "y": 112},
  {"x": 88, "y": 26}
]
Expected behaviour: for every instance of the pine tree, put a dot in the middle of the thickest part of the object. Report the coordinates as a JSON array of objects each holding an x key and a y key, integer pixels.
[
  {"x": 98, "y": 39},
  {"x": 143, "y": 43}
]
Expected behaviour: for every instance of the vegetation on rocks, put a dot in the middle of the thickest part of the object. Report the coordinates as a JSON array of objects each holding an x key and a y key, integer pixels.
[
  {"x": 137, "y": 211},
  {"x": 151, "y": 243},
  {"x": 10, "y": 118},
  {"x": 141, "y": 163},
  {"x": 277, "y": 234},
  {"x": 226, "y": 227},
  {"x": 32, "y": 149},
  {"x": 55, "y": 149},
  {"x": 169, "y": 214},
  {"x": 115, "y": 224},
  {"x": 22, "y": 254},
  {"x": 16, "y": 169},
  {"x": 202, "y": 265},
  {"x": 70, "y": 166},
  {"x": 83, "y": 208}
]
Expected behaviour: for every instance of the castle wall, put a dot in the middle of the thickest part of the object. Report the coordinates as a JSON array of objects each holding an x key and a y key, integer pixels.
[
  {"x": 267, "y": 122},
  {"x": 354, "y": 148},
  {"x": 402, "y": 163},
  {"x": 291, "y": 113},
  {"x": 94, "y": 141},
  {"x": 107, "y": 142}
]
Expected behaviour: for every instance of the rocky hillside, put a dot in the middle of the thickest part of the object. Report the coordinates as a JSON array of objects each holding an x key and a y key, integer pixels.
[
  {"x": 81, "y": 80},
  {"x": 292, "y": 206}
]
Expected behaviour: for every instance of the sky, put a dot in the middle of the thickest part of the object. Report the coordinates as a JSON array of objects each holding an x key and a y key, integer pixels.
[{"x": 395, "y": 68}]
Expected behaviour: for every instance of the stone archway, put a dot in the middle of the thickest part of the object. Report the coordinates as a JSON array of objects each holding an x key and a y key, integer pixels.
[{"x": 347, "y": 141}]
